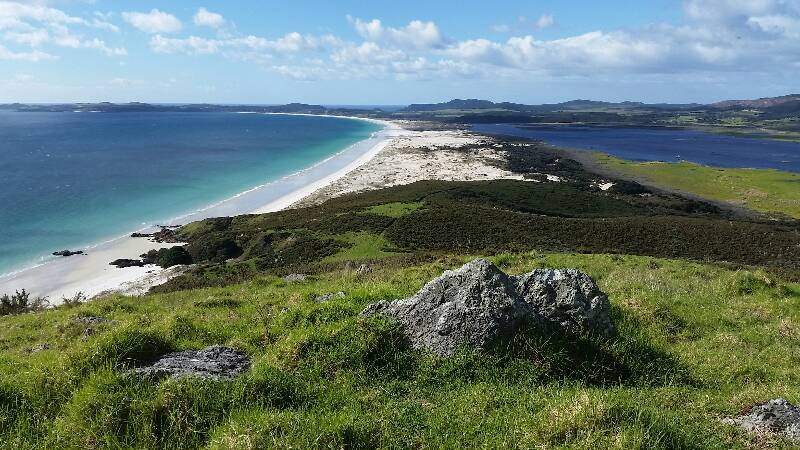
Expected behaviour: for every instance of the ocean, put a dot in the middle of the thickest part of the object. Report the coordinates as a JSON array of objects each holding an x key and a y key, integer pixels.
[
  {"x": 71, "y": 180},
  {"x": 662, "y": 144}
]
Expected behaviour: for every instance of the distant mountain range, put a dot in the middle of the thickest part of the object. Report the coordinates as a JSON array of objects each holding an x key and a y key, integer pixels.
[
  {"x": 772, "y": 107},
  {"x": 585, "y": 105}
]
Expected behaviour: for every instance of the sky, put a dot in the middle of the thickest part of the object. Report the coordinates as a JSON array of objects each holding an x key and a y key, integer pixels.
[{"x": 354, "y": 52}]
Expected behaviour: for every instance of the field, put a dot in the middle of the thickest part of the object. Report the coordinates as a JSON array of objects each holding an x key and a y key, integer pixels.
[{"x": 768, "y": 191}]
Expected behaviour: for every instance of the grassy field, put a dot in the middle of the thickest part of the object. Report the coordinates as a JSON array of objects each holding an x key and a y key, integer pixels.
[
  {"x": 697, "y": 343},
  {"x": 768, "y": 191}
]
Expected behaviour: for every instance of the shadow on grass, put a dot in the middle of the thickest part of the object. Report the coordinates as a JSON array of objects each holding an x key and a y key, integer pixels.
[{"x": 379, "y": 348}]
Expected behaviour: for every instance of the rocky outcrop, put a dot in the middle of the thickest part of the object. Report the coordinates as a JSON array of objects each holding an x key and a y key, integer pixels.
[
  {"x": 776, "y": 416},
  {"x": 214, "y": 362},
  {"x": 124, "y": 262},
  {"x": 478, "y": 303},
  {"x": 167, "y": 235},
  {"x": 67, "y": 253}
]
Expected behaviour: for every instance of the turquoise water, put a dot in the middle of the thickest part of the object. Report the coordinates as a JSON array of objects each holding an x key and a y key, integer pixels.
[{"x": 69, "y": 180}]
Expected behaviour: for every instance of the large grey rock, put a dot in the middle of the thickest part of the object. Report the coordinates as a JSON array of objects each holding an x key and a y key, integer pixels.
[
  {"x": 478, "y": 303},
  {"x": 214, "y": 362},
  {"x": 776, "y": 416}
]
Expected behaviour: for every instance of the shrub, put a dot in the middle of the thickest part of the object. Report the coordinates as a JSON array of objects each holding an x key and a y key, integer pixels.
[{"x": 20, "y": 303}]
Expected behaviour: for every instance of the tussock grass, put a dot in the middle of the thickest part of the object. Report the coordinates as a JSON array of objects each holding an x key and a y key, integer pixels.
[{"x": 696, "y": 343}]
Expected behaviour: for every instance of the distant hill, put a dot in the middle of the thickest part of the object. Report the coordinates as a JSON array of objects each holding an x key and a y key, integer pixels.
[
  {"x": 147, "y": 107},
  {"x": 572, "y": 105},
  {"x": 766, "y": 102}
]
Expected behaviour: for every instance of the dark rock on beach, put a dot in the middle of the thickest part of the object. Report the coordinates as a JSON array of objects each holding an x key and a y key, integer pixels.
[
  {"x": 123, "y": 263},
  {"x": 214, "y": 362},
  {"x": 166, "y": 235},
  {"x": 478, "y": 303},
  {"x": 776, "y": 416},
  {"x": 66, "y": 253}
]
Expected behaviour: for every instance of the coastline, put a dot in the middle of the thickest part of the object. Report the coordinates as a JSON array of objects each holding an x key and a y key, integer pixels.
[{"x": 92, "y": 275}]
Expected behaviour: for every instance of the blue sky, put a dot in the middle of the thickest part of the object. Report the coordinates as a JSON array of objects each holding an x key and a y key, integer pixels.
[{"x": 378, "y": 52}]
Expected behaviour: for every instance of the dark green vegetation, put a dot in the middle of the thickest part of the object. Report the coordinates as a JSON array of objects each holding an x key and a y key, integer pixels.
[
  {"x": 168, "y": 257},
  {"x": 20, "y": 302},
  {"x": 696, "y": 343}
]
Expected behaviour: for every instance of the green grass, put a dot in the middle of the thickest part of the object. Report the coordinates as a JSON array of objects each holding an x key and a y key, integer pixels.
[
  {"x": 396, "y": 209},
  {"x": 362, "y": 245},
  {"x": 768, "y": 191},
  {"x": 697, "y": 343}
]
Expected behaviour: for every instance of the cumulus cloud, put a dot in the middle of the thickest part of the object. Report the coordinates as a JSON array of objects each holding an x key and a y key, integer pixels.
[
  {"x": 417, "y": 34},
  {"x": 289, "y": 43},
  {"x": 715, "y": 37},
  {"x": 206, "y": 18},
  {"x": 153, "y": 22},
  {"x": 37, "y": 25}
]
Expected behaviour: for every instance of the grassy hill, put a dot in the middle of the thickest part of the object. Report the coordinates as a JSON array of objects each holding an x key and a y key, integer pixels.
[{"x": 697, "y": 343}]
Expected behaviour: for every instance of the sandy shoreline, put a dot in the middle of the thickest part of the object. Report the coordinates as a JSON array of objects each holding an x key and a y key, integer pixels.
[{"x": 91, "y": 274}]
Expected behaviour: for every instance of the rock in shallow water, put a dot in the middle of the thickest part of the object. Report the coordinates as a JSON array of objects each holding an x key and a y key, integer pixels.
[
  {"x": 214, "y": 362},
  {"x": 478, "y": 303},
  {"x": 776, "y": 416}
]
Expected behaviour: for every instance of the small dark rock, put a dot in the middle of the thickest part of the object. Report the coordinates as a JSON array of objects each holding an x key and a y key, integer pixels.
[
  {"x": 40, "y": 348},
  {"x": 91, "y": 320},
  {"x": 776, "y": 416},
  {"x": 67, "y": 253},
  {"x": 329, "y": 296},
  {"x": 86, "y": 333},
  {"x": 294, "y": 277},
  {"x": 214, "y": 362}
]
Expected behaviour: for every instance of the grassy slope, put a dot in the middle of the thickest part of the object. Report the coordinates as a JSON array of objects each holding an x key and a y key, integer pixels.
[
  {"x": 697, "y": 343},
  {"x": 768, "y": 191}
]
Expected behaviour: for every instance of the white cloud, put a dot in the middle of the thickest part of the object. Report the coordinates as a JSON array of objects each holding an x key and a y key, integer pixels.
[
  {"x": 36, "y": 25},
  {"x": 15, "y": 15},
  {"x": 289, "y": 43},
  {"x": 545, "y": 21},
  {"x": 33, "y": 56},
  {"x": 776, "y": 24},
  {"x": 206, "y": 18},
  {"x": 732, "y": 37},
  {"x": 33, "y": 38},
  {"x": 192, "y": 45},
  {"x": 417, "y": 34},
  {"x": 153, "y": 22}
]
